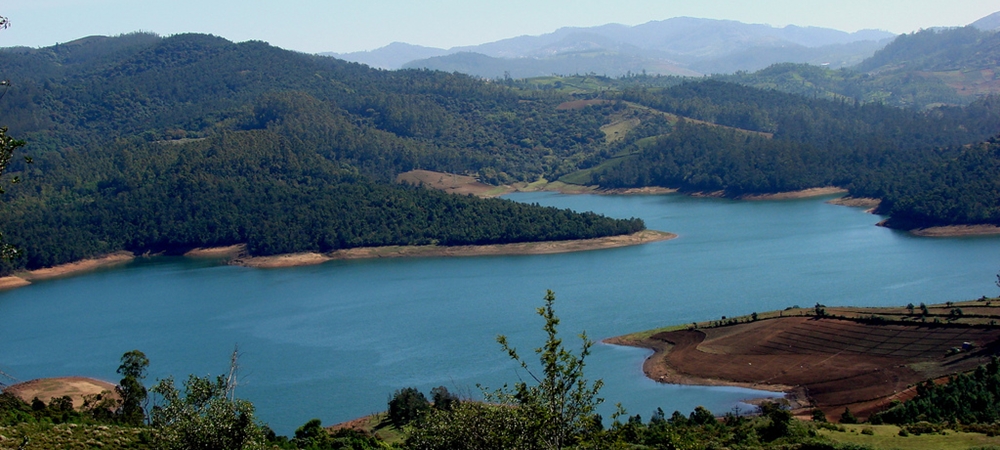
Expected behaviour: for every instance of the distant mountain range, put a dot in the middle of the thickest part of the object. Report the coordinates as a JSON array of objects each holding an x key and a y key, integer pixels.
[{"x": 678, "y": 46}]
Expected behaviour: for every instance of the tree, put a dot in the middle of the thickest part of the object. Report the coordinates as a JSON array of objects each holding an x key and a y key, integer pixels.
[
  {"x": 443, "y": 399},
  {"x": 207, "y": 415},
  {"x": 406, "y": 405},
  {"x": 7, "y": 147},
  {"x": 848, "y": 417},
  {"x": 557, "y": 411},
  {"x": 560, "y": 405},
  {"x": 780, "y": 420},
  {"x": 131, "y": 390}
]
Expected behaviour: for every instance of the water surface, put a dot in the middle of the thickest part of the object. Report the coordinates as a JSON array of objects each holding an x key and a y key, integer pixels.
[{"x": 334, "y": 341}]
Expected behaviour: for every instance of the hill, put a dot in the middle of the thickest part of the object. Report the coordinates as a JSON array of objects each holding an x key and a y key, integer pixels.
[
  {"x": 921, "y": 69},
  {"x": 153, "y": 144},
  {"x": 988, "y": 23},
  {"x": 392, "y": 56},
  {"x": 677, "y": 46}
]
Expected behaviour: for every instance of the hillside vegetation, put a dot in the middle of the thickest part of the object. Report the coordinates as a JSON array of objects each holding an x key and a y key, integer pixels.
[
  {"x": 156, "y": 144},
  {"x": 922, "y": 69},
  {"x": 920, "y": 164},
  {"x": 151, "y": 144}
]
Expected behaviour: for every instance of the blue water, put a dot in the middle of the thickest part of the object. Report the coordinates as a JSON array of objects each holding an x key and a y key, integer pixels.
[{"x": 334, "y": 341}]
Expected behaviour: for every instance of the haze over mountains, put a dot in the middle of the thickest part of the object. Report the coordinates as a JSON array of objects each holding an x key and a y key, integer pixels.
[{"x": 677, "y": 46}]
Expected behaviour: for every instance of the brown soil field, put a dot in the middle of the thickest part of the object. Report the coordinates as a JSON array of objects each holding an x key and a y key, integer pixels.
[
  {"x": 217, "y": 252},
  {"x": 832, "y": 363},
  {"x": 857, "y": 202},
  {"x": 452, "y": 183},
  {"x": 47, "y": 388},
  {"x": 579, "y": 104},
  {"x": 527, "y": 248}
]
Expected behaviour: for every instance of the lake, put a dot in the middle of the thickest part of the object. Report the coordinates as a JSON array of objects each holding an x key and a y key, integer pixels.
[{"x": 334, "y": 341}]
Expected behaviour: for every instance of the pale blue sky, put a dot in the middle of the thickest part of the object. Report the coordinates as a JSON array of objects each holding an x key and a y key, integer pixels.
[{"x": 343, "y": 26}]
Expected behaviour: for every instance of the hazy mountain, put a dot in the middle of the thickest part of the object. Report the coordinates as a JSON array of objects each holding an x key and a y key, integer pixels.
[
  {"x": 613, "y": 64},
  {"x": 392, "y": 56},
  {"x": 922, "y": 69},
  {"x": 988, "y": 23},
  {"x": 678, "y": 46},
  {"x": 938, "y": 50}
]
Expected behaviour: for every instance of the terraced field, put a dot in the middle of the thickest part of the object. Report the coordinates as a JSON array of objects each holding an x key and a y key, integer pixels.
[{"x": 833, "y": 363}]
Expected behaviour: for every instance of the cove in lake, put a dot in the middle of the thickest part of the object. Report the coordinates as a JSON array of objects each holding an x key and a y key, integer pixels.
[{"x": 334, "y": 341}]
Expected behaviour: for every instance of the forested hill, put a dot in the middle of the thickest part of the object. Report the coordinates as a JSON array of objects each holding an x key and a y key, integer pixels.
[
  {"x": 191, "y": 86},
  {"x": 918, "y": 162},
  {"x": 160, "y": 144},
  {"x": 921, "y": 69}
]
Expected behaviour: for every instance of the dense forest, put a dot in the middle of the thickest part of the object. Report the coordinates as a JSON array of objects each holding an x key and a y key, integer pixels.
[
  {"x": 921, "y": 164},
  {"x": 160, "y": 144},
  {"x": 969, "y": 398}
]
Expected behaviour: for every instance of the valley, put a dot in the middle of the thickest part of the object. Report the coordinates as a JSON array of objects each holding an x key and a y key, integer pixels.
[{"x": 339, "y": 233}]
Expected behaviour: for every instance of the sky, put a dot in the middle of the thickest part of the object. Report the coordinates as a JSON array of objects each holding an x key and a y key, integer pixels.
[{"x": 344, "y": 26}]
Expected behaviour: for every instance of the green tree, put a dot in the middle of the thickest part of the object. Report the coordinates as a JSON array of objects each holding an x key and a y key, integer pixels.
[
  {"x": 406, "y": 405},
  {"x": 443, "y": 399},
  {"x": 131, "y": 390},
  {"x": 7, "y": 147},
  {"x": 560, "y": 405},
  {"x": 848, "y": 417},
  {"x": 204, "y": 416},
  {"x": 780, "y": 420},
  {"x": 998, "y": 280},
  {"x": 555, "y": 412},
  {"x": 473, "y": 426},
  {"x": 312, "y": 435}
]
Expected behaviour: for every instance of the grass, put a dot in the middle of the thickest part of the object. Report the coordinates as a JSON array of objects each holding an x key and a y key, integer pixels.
[
  {"x": 616, "y": 131},
  {"x": 378, "y": 425},
  {"x": 70, "y": 436},
  {"x": 887, "y": 437}
]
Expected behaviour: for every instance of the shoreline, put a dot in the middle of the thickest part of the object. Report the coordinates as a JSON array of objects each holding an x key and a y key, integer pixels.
[
  {"x": 237, "y": 255},
  {"x": 47, "y": 388},
  {"x": 788, "y": 351},
  {"x": 62, "y": 270},
  {"x": 794, "y": 195},
  {"x": 523, "y": 248},
  {"x": 657, "y": 369},
  {"x": 957, "y": 231},
  {"x": 870, "y": 204}
]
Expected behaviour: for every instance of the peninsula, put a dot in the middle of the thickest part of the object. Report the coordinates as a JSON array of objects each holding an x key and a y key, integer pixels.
[{"x": 827, "y": 358}]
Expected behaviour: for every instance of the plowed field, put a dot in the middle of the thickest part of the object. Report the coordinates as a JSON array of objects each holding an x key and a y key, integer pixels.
[{"x": 834, "y": 363}]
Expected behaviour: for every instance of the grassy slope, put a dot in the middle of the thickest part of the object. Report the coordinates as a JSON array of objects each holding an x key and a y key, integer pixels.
[{"x": 887, "y": 437}]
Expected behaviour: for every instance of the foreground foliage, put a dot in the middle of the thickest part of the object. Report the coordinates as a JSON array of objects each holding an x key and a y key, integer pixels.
[
  {"x": 972, "y": 398},
  {"x": 205, "y": 415}
]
